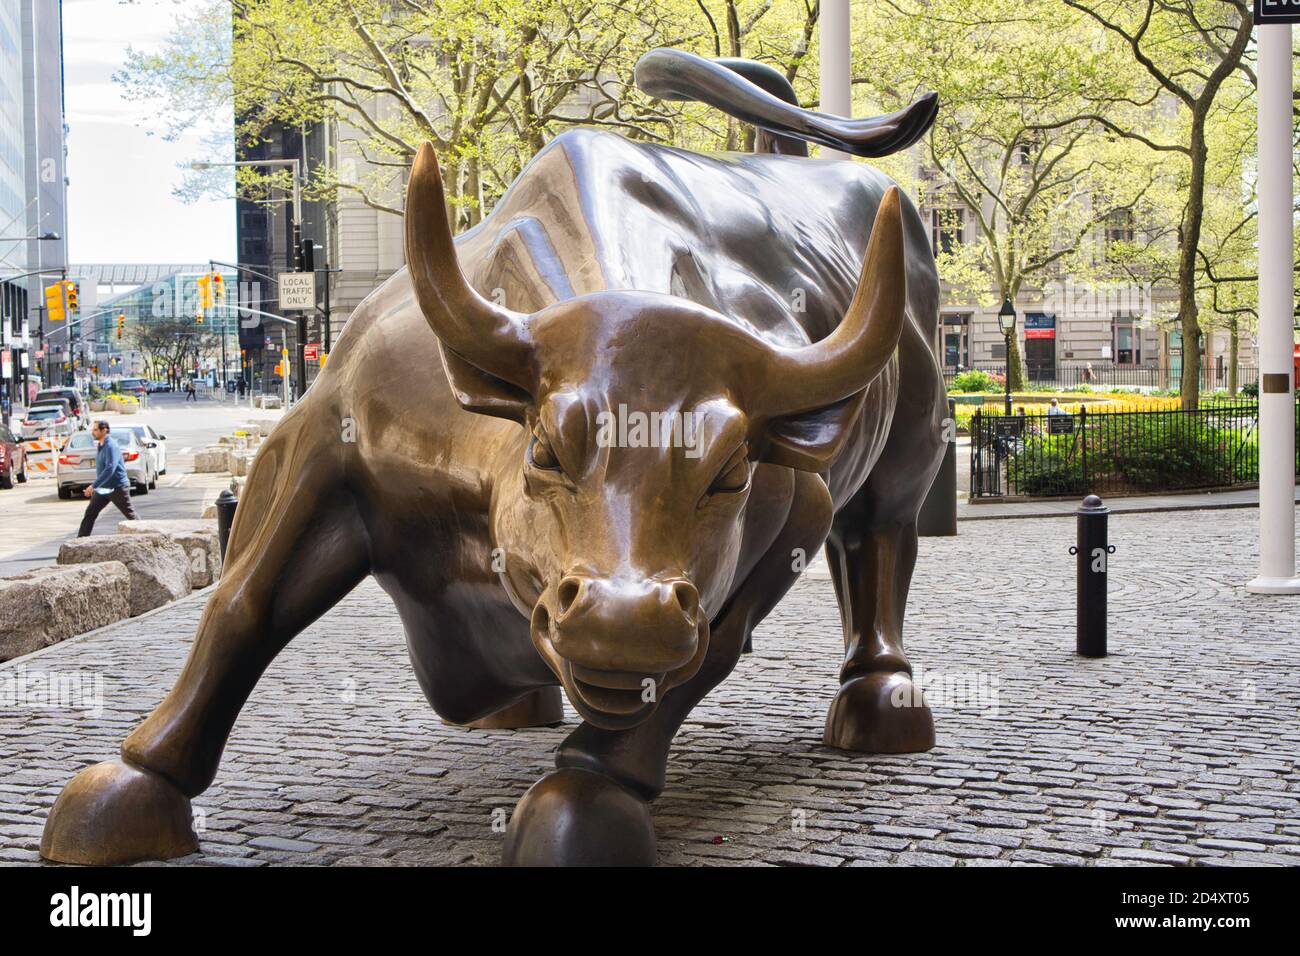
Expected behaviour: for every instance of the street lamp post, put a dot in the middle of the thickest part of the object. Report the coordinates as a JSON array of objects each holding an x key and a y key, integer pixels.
[
  {"x": 295, "y": 165},
  {"x": 1007, "y": 323}
]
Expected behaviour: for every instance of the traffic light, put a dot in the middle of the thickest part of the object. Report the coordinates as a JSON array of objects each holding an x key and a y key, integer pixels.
[
  {"x": 54, "y": 305},
  {"x": 121, "y": 323},
  {"x": 218, "y": 289},
  {"x": 205, "y": 296},
  {"x": 72, "y": 293}
]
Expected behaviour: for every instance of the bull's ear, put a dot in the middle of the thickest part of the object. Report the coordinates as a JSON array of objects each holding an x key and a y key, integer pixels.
[
  {"x": 481, "y": 392},
  {"x": 811, "y": 441}
]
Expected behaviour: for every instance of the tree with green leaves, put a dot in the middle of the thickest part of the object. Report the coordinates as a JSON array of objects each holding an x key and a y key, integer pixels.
[
  {"x": 1189, "y": 52},
  {"x": 1014, "y": 147},
  {"x": 488, "y": 82}
]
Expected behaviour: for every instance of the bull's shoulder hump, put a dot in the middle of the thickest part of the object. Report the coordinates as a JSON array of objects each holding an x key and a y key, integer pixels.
[{"x": 380, "y": 318}]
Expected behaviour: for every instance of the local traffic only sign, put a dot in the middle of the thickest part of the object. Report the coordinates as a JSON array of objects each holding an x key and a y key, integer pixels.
[
  {"x": 311, "y": 351},
  {"x": 1277, "y": 11},
  {"x": 297, "y": 291}
]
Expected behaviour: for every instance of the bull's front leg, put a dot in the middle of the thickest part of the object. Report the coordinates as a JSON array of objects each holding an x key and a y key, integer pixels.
[
  {"x": 594, "y": 810},
  {"x": 137, "y": 807}
]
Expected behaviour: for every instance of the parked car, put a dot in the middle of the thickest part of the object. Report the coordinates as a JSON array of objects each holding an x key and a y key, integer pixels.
[
  {"x": 64, "y": 403},
  {"x": 79, "y": 408},
  {"x": 13, "y": 459},
  {"x": 49, "y": 420},
  {"x": 158, "y": 386},
  {"x": 76, "y": 463},
  {"x": 154, "y": 442},
  {"x": 135, "y": 387}
]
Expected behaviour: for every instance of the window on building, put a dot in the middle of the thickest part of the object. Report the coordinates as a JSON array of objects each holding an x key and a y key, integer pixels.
[
  {"x": 955, "y": 329},
  {"x": 1119, "y": 227},
  {"x": 1026, "y": 150},
  {"x": 948, "y": 229},
  {"x": 1126, "y": 340}
]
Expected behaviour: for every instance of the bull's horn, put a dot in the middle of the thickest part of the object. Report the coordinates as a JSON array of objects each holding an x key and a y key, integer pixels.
[
  {"x": 481, "y": 332},
  {"x": 846, "y": 361}
]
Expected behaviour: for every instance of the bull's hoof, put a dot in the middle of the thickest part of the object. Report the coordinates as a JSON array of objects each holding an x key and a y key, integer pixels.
[
  {"x": 114, "y": 812},
  {"x": 579, "y": 818},
  {"x": 880, "y": 713}
]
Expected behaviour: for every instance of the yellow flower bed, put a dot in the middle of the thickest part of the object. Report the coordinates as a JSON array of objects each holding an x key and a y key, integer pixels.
[{"x": 1102, "y": 403}]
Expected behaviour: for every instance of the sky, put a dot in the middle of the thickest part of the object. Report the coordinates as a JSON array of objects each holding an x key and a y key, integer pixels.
[{"x": 120, "y": 203}]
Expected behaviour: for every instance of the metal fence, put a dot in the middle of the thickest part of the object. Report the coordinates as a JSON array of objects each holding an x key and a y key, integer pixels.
[
  {"x": 1110, "y": 375},
  {"x": 1076, "y": 453}
]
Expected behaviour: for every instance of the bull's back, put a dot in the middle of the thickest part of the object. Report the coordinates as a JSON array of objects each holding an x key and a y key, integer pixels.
[{"x": 773, "y": 242}]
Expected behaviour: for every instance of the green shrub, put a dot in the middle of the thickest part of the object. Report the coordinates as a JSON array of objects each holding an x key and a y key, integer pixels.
[
  {"x": 973, "y": 380},
  {"x": 1163, "y": 454},
  {"x": 1152, "y": 451},
  {"x": 1047, "y": 465}
]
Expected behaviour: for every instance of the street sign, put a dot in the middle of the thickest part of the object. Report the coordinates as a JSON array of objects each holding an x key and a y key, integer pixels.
[
  {"x": 297, "y": 291},
  {"x": 1277, "y": 11},
  {"x": 311, "y": 351}
]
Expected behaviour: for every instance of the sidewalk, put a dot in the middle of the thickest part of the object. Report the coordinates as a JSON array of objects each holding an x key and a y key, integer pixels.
[
  {"x": 1183, "y": 747},
  {"x": 1130, "y": 504}
]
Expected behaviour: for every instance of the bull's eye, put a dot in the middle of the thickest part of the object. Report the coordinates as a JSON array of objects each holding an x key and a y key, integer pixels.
[
  {"x": 734, "y": 475},
  {"x": 541, "y": 455}
]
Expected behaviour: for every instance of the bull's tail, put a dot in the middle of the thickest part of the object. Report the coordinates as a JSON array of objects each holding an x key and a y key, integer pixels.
[{"x": 756, "y": 93}]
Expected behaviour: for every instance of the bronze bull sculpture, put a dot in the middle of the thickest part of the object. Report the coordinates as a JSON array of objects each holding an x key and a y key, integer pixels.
[{"x": 505, "y": 489}]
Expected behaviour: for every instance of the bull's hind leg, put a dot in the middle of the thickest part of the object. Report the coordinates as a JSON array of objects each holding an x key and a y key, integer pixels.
[
  {"x": 297, "y": 547},
  {"x": 594, "y": 810},
  {"x": 872, "y": 552}
]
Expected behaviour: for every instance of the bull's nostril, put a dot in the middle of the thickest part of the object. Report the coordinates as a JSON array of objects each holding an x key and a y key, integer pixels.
[
  {"x": 688, "y": 599},
  {"x": 566, "y": 594}
]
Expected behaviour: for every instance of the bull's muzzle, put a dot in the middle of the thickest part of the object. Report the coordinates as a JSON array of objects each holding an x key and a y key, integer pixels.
[{"x": 618, "y": 644}]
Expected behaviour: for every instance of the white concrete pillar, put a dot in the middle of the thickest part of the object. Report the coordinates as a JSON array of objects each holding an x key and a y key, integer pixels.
[
  {"x": 836, "y": 82},
  {"x": 1277, "y": 565}
]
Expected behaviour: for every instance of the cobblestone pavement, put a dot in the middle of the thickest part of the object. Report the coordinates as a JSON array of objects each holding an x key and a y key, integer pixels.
[{"x": 1181, "y": 748}]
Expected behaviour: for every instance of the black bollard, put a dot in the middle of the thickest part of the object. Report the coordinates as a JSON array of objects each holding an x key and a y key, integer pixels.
[
  {"x": 226, "y": 504},
  {"x": 1092, "y": 553}
]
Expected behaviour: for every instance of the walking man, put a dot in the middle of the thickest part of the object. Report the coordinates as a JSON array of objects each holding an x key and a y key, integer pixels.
[
  {"x": 111, "y": 483},
  {"x": 191, "y": 393}
]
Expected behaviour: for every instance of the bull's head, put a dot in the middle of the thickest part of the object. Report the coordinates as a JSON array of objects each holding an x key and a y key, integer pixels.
[{"x": 621, "y": 506}]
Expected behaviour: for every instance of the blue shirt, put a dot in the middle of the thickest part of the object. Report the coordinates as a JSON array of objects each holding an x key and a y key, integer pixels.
[{"x": 110, "y": 469}]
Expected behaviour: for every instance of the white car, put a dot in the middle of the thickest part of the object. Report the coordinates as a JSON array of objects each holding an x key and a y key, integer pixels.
[
  {"x": 76, "y": 463},
  {"x": 156, "y": 443},
  {"x": 49, "y": 420}
]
